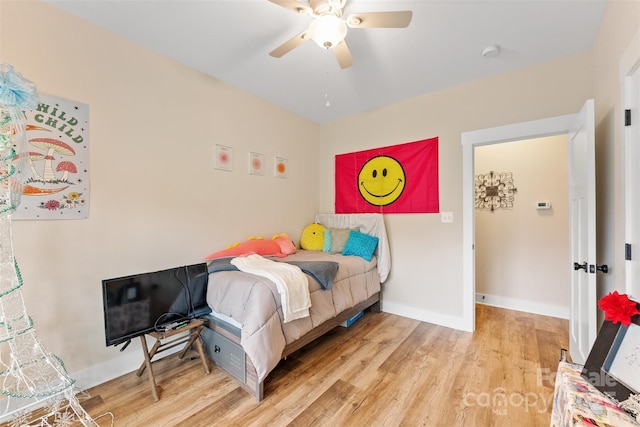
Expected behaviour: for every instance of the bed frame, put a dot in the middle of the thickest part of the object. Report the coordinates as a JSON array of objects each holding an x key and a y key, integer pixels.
[{"x": 222, "y": 345}]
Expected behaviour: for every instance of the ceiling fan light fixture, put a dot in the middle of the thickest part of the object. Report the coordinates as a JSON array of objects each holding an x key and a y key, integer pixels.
[{"x": 327, "y": 31}]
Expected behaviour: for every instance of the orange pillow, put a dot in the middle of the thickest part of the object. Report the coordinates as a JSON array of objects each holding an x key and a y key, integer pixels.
[{"x": 279, "y": 246}]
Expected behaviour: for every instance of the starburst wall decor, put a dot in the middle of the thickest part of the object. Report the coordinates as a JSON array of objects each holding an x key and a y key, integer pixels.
[{"x": 495, "y": 190}]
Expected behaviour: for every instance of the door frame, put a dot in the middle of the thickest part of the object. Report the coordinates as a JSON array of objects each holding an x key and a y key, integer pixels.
[
  {"x": 629, "y": 64},
  {"x": 496, "y": 135}
]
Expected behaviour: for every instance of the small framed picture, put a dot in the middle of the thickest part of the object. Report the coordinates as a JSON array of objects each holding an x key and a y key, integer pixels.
[
  {"x": 623, "y": 360},
  {"x": 614, "y": 361},
  {"x": 223, "y": 157},
  {"x": 256, "y": 163},
  {"x": 280, "y": 167}
]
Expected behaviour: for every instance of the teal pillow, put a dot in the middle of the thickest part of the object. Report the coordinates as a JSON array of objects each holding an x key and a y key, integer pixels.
[
  {"x": 360, "y": 244},
  {"x": 327, "y": 240}
]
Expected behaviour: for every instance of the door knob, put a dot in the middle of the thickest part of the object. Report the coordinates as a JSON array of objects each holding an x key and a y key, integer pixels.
[
  {"x": 577, "y": 266},
  {"x": 604, "y": 268}
]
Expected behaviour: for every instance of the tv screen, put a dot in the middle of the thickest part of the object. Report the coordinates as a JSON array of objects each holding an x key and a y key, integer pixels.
[{"x": 137, "y": 304}]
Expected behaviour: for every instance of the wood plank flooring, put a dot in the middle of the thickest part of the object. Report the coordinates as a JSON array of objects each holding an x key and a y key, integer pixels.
[{"x": 385, "y": 370}]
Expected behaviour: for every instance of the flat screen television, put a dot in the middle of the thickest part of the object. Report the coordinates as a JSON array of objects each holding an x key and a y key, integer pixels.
[{"x": 141, "y": 303}]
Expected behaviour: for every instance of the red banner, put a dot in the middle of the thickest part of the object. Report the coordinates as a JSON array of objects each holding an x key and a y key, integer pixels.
[{"x": 397, "y": 179}]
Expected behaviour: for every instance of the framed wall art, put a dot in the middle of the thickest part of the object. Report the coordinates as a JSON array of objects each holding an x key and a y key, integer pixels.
[
  {"x": 58, "y": 161},
  {"x": 623, "y": 362},
  {"x": 281, "y": 167},
  {"x": 614, "y": 361},
  {"x": 223, "y": 157},
  {"x": 256, "y": 163}
]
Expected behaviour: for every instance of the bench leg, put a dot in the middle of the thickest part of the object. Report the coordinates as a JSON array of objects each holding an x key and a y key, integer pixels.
[{"x": 147, "y": 364}]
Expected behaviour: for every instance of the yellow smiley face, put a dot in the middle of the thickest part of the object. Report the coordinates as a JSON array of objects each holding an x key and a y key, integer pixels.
[{"x": 381, "y": 180}]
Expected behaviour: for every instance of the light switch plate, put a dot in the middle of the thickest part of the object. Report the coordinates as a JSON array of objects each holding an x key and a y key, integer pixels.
[{"x": 446, "y": 217}]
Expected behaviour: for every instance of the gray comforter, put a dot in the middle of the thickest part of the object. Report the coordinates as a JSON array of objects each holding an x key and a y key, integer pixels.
[
  {"x": 254, "y": 302},
  {"x": 323, "y": 271}
]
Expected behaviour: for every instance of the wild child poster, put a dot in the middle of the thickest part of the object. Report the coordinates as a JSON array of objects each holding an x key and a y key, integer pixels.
[{"x": 57, "y": 186}]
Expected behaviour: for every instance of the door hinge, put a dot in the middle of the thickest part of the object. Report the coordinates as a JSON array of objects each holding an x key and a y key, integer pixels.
[
  {"x": 627, "y": 117},
  {"x": 627, "y": 251}
]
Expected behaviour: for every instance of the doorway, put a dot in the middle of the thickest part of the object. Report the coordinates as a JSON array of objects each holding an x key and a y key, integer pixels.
[
  {"x": 522, "y": 224},
  {"x": 470, "y": 140}
]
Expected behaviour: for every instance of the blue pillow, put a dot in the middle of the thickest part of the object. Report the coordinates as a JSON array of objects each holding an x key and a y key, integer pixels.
[
  {"x": 327, "y": 240},
  {"x": 360, "y": 244}
]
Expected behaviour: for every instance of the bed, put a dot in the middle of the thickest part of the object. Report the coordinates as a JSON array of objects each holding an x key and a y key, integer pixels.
[{"x": 246, "y": 334}]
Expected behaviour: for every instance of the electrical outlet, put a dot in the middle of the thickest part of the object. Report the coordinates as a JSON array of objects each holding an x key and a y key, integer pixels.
[{"x": 446, "y": 217}]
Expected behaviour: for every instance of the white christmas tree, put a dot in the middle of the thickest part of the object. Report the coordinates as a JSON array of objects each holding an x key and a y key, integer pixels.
[{"x": 36, "y": 389}]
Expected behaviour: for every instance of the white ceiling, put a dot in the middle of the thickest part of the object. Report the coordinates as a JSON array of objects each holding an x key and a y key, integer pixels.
[{"x": 230, "y": 40}]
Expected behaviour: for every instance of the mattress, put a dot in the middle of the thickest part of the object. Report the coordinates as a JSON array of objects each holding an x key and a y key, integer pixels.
[
  {"x": 226, "y": 319},
  {"x": 252, "y": 303}
]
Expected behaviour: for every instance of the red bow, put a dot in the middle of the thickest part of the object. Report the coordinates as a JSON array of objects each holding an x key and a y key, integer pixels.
[{"x": 618, "y": 308}]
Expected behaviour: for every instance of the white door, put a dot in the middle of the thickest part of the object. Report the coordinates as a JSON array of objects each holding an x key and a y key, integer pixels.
[
  {"x": 632, "y": 183},
  {"x": 582, "y": 224}
]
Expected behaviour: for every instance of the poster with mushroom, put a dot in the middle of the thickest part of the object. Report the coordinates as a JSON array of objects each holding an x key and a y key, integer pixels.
[{"x": 57, "y": 186}]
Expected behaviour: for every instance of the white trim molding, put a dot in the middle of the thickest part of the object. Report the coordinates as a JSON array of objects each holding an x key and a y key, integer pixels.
[
  {"x": 440, "y": 319},
  {"x": 523, "y": 305},
  {"x": 496, "y": 135}
]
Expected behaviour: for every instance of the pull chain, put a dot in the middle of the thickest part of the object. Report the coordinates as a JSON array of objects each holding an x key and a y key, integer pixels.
[{"x": 327, "y": 103}]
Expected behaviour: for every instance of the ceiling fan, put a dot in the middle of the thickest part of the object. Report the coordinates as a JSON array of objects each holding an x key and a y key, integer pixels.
[{"x": 329, "y": 28}]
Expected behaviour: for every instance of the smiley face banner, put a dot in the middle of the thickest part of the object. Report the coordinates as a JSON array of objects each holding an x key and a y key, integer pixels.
[{"x": 396, "y": 179}]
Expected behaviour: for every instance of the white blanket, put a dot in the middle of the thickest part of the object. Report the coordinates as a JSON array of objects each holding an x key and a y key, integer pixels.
[{"x": 290, "y": 281}]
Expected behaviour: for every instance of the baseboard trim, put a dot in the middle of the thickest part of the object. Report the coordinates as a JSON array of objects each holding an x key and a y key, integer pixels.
[
  {"x": 424, "y": 315},
  {"x": 124, "y": 364},
  {"x": 523, "y": 305}
]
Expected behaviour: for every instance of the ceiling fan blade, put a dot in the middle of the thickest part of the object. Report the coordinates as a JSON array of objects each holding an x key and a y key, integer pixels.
[
  {"x": 400, "y": 19},
  {"x": 343, "y": 55},
  {"x": 294, "y": 6},
  {"x": 289, "y": 45}
]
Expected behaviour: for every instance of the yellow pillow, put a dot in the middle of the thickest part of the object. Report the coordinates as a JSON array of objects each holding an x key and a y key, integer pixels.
[{"x": 312, "y": 238}]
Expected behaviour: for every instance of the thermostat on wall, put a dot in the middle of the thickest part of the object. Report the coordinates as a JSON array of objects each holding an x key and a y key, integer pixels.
[{"x": 543, "y": 205}]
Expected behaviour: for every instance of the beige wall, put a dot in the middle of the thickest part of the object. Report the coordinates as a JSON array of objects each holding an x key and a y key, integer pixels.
[
  {"x": 426, "y": 278},
  {"x": 522, "y": 253},
  {"x": 169, "y": 208},
  {"x": 155, "y": 199}
]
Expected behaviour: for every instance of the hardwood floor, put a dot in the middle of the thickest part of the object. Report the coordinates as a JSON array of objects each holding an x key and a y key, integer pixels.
[{"x": 385, "y": 370}]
